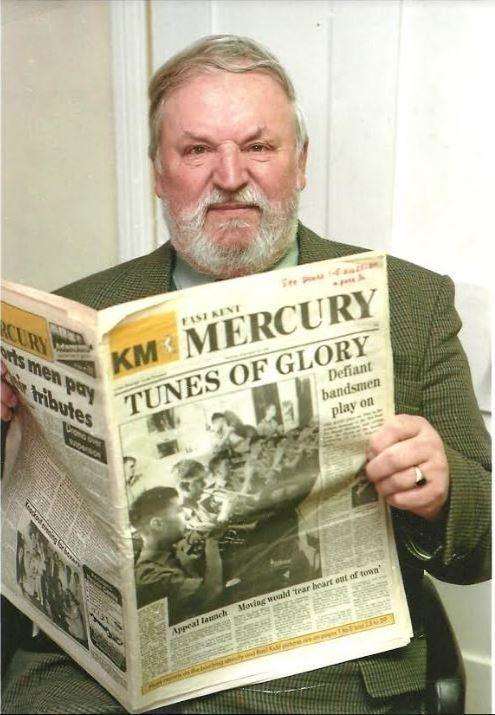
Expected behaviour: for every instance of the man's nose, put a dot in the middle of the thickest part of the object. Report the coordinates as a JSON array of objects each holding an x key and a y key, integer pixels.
[{"x": 230, "y": 172}]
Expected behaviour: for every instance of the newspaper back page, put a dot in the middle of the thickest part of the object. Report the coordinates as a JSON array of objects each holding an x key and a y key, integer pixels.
[{"x": 61, "y": 544}]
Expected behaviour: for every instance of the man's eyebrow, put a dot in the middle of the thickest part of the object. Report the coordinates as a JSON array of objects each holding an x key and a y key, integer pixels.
[{"x": 255, "y": 134}]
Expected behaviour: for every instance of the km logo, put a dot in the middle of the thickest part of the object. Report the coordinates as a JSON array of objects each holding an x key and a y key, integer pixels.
[{"x": 136, "y": 356}]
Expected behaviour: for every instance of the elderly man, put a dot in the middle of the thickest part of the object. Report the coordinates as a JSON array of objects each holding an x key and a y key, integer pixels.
[{"x": 229, "y": 148}]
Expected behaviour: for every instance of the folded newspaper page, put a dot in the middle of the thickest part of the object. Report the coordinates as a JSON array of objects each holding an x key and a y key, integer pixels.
[{"x": 185, "y": 507}]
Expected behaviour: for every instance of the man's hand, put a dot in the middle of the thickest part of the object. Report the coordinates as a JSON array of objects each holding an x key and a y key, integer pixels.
[
  {"x": 8, "y": 396},
  {"x": 402, "y": 444}
]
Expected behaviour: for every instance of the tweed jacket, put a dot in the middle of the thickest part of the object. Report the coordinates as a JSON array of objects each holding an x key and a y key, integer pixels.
[{"x": 432, "y": 379}]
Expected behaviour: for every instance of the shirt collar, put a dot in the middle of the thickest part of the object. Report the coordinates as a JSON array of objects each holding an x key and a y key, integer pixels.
[{"x": 184, "y": 276}]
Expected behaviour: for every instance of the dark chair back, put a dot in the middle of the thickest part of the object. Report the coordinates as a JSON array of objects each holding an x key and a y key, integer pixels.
[{"x": 446, "y": 685}]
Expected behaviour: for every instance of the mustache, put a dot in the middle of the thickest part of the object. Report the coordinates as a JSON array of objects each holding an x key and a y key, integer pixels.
[{"x": 246, "y": 195}]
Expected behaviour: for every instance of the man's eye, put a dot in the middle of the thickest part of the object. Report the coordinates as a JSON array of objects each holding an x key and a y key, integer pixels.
[
  {"x": 258, "y": 148},
  {"x": 197, "y": 150}
]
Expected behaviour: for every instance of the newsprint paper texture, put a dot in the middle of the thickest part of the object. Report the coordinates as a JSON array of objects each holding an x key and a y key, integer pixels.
[{"x": 185, "y": 508}]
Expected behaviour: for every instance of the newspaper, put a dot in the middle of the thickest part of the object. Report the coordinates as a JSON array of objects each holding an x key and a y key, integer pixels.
[{"x": 185, "y": 507}]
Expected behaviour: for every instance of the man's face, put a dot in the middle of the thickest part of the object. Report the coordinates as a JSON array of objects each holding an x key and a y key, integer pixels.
[
  {"x": 271, "y": 411},
  {"x": 230, "y": 172},
  {"x": 169, "y": 524},
  {"x": 192, "y": 489},
  {"x": 218, "y": 426}
]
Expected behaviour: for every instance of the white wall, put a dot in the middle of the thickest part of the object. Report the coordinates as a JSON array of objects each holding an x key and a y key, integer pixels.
[
  {"x": 445, "y": 118},
  {"x": 444, "y": 177},
  {"x": 59, "y": 218}
]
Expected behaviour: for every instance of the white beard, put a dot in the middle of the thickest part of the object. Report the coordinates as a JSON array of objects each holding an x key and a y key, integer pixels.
[{"x": 277, "y": 230}]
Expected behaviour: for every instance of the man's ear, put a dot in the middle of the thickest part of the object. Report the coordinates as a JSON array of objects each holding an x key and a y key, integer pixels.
[
  {"x": 156, "y": 523},
  {"x": 301, "y": 167},
  {"x": 158, "y": 178}
]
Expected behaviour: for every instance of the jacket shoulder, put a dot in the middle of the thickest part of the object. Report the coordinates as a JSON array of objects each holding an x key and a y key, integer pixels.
[
  {"x": 313, "y": 247},
  {"x": 138, "y": 278},
  {"x": 411, "y": 276},
  {"x": 404, "y": 276},
  {"x": 417, "y": 295}
]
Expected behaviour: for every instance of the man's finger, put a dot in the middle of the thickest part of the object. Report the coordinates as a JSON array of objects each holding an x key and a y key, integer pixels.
[
  {"x": 426, "y": 501},
  {"x": 8, "y": 401},
  {"x": 399, "y": 457},
  {"x": 9, "y": 395},
  {"x": 5, "y": 413},
  {"x": 397, "y": 429},
  {"x": 411, "y": 500},
  {"x": 402, "y": 481}
]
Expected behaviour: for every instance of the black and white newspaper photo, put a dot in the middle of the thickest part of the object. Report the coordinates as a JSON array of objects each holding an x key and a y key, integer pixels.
[{"x": 234, "y": 479}]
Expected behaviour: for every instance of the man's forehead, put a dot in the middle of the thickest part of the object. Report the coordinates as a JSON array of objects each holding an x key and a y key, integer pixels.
[
  {"x": 201, "y": 132},
  {"x": 209, "y": 101}
]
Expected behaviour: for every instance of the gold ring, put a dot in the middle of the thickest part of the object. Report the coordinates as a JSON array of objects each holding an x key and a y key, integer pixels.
[{"x": 420, "y": 477}]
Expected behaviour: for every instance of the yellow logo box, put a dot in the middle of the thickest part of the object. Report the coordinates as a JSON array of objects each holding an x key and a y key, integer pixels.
[
  {"x": 26, "y": 331},
  {"x": 144, "y": 343}
]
